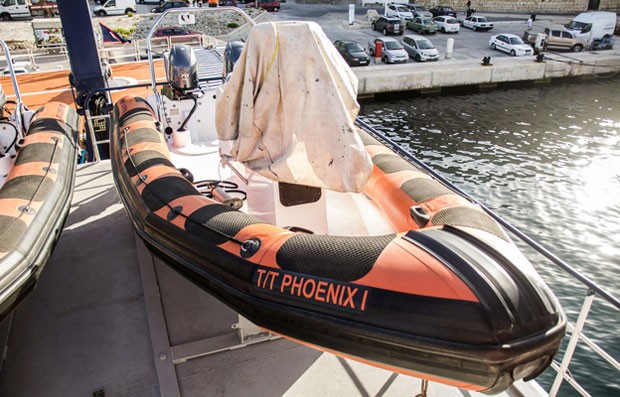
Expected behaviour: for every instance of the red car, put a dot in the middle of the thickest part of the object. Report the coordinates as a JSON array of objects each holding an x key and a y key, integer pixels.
[
  {"x": 174, "y": 31},
  {"x": 266, "y": 5}
]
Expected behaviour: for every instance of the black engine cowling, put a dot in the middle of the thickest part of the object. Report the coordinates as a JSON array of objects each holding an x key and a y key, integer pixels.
[{"x": 181, "y": 69}]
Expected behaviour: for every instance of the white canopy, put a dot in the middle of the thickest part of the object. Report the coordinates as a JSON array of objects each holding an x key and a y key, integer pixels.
[{"x": 289, "y": 107}]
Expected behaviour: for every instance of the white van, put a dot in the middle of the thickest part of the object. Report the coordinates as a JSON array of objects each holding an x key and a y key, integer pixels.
[
  {"x": 115, "y": 7},
  {"x": 14, "y": 9},
  {"x": 590, "y": 26}
]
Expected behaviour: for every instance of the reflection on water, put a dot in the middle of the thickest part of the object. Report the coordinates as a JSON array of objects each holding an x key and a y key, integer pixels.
[{"x": 547, "y": 159}]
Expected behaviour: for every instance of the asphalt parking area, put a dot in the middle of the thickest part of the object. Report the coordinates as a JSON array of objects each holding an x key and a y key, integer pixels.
[{"x": 467, "y": 43}]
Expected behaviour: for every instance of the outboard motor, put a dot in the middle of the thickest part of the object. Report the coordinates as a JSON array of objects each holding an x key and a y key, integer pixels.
[
  {"x": 182, "y": 75},
  {"x": 181, "y": 70},
  {"x": 231, "y": 55}
]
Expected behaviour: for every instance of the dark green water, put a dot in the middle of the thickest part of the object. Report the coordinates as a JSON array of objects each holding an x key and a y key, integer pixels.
[{"x": 547, "y": 159}]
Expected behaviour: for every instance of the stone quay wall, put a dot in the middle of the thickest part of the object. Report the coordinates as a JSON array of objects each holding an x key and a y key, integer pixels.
[{"x": 526, "y": 6}]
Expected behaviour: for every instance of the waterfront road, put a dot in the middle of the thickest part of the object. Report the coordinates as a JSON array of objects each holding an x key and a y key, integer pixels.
[{"x": 467, "y": 43}]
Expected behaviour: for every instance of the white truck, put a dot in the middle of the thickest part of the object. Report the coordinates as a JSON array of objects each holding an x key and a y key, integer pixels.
[
  {"x": 115, "y": 7},
  {"x": 27, "y": 9},
  {"x": 595, "y": 28},
  {"x": 14, "y": 9}
]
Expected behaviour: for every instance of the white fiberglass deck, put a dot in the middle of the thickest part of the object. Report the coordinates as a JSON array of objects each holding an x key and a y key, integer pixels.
[
  {"x": 352, "y": 214},
  {"x": 108, "y": 316}
]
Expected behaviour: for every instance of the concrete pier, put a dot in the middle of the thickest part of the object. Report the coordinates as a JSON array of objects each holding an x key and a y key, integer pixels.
[{"x": 381, "y": 78}]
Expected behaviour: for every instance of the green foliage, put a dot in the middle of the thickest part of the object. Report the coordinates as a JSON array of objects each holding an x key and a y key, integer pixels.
[
  {"x": 125, "y": 33},
  {"x": 130, "y": 14},
  {"x": 233, "y": 25}
]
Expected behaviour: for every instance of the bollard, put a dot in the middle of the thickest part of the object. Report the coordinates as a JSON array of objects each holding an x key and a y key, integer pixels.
[
  {"x": 449, "y": 48},
  {"x": 378, "y": 50},
  {"x": 351, "y": 14}
]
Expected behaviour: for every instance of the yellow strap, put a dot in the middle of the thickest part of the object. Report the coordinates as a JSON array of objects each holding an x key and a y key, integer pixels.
[{"x": 273, "y": 58}]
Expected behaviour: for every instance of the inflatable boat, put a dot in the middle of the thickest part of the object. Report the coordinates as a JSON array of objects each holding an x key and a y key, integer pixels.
[
  {"x": 38, "y": 155},
  {"x": 260, "y": 187}
]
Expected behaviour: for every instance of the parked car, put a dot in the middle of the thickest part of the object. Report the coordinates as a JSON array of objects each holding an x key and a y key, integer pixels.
[
  {"x": 19, "y": 68},
  {"x": 174, "y": 31},
  {"x": 594, "y": 26},
  {"x": 13, "y": 9},
  {"x": 398, "y": 11},
  {"x": 228, "y": 3},
  {"x": 392, "y": 50},
  {"x": 446, "y": 24},
  {"x": 170, "y": 5},
  {"x": 442, "y": 10},
  {"x": 388, "y": 25},
  {"x": 477, "y": 23},
  {"x": 422, "y": 25},
  {"x": 267, "y": 5},
  {"x": 176, "y": 35},
  {"x": 556, "y": 38},
  {"x": 352, "y": 52},
  {"x": 419, "y": 11},
  {"x": 511, "y": 44},
  {"x": 115, "y": 7},
  {"x": 420, "y": 48}
]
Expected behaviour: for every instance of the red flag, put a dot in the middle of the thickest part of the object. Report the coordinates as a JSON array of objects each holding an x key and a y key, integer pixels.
[{"x": 110, "y": 36}]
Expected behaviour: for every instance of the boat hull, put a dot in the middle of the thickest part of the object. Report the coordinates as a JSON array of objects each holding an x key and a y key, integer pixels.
[
  {"x": 333, "y": 292},
  {"x": 35, "y": 200}
]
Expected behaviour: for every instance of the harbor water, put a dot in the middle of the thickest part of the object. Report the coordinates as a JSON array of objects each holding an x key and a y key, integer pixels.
[{"x": 547, "y": 159}]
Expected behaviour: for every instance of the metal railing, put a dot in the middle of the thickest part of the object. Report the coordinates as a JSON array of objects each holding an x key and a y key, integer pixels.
[
  {"x": 19, "y": 105},
  {"x": 593, "y": 289},
  {"x": 138, "y": 49},
  {"x": 38, "y": 58},
  {"x": 578, "y": 336}
]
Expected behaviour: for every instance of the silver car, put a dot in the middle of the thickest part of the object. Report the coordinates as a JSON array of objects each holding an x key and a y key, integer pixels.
[
  {"x": 391, "y": 50},
  {"x": 419, "y": 11},
  {"x": 420, "y": 48}
]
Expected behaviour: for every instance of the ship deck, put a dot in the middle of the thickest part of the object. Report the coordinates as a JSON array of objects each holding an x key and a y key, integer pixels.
[
  {"x": 109, "y": 317},
  {"x": 36, "y": 89}
]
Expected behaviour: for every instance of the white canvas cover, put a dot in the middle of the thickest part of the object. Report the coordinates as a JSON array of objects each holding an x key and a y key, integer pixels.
[{"x": 289, "y": 107}]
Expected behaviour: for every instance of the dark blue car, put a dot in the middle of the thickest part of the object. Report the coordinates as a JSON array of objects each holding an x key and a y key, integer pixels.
[
  {"x": 352, "y": 52},
  {"x": 442, "y": 10}
]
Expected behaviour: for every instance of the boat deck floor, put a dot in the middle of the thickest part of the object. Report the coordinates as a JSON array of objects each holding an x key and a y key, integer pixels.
[{"x": 107, "y": 316}]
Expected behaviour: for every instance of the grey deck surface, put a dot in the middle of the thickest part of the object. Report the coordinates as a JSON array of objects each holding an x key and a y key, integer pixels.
[{"x": 108, "y": 316}]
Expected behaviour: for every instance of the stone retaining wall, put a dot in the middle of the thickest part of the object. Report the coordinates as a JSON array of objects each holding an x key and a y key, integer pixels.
[
  {"x": 553, "y": 6},
  {"x": 528, "y": 6},
  {"x": 610, "y": 5},
  {"x": 383, "y": 79}
]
